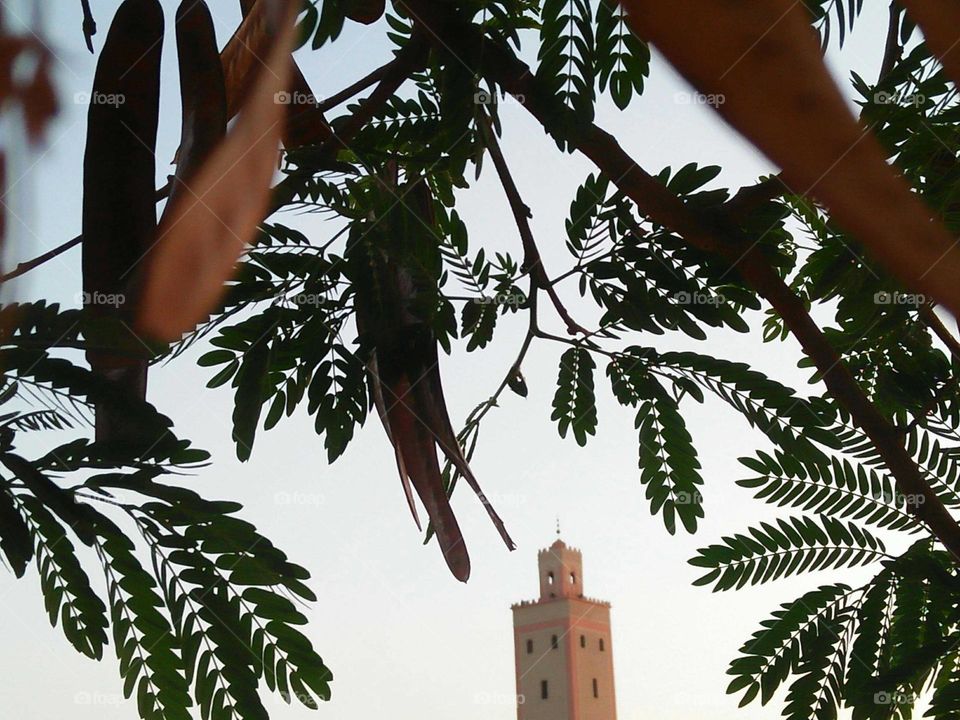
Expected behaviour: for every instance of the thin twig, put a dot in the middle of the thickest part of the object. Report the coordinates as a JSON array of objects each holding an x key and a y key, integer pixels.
[
  {"x": 532, "y": 331},
  {"x": 351, "y": 90},
  {"x": 29, "y": 265},
  {"x": 532, "y": 262}
]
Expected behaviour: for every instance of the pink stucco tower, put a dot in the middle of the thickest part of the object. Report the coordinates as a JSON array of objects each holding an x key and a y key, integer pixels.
[{"x": 562, "y": 645}]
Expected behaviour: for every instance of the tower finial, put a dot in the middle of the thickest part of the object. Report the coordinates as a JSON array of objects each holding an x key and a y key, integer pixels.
[{"x": 558, "y": 526}]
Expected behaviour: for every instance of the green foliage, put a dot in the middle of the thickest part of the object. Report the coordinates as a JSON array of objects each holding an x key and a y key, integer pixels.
[
  {"x": 785, "y": 641},
  {"x": 622, "y": 59},
  {"x": 566, "y": 55},
  {"x": 843, "y": 490},
  {"x": 785, "y": 548},
  {"x": 67, "y": 594},
  {"x": 215, "y": 614},
  {"x": 668, "y": 459},
  {"x": 574, "y": 403}
]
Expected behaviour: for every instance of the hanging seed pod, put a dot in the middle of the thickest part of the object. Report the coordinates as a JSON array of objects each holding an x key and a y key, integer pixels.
[
  {"x": 203, "y": 97},
  {"x": 395, "y": 275},
  {"x": 204, "y": 231},
  {"x": 119, "y": 208}
]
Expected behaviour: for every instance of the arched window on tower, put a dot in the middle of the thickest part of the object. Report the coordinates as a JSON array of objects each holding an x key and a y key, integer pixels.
[
  {"x": 573, "y": 578},
  {"x": 529, "y": 647},
  {"x": 596, "y": 689},
  {"x": 550, "y": 578},
  {"x": 602, "y": 648},
  {"x": 544, "y": 690},
  {"x": 554, "y": 642},
  {"x": 583, "y": 641}
]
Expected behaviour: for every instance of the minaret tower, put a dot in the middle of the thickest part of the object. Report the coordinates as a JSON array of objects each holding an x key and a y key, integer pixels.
[{"x": 562, "y": 645}]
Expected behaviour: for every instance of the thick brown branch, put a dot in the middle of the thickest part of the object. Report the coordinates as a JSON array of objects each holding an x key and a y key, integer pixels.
[
  {"x": 654, "y": 200},
  {"x": 532, "y": 262},
  {"x": 940, "y": 330},
  {"x": 408, "y": 60},
  {"x": 357, "y": 87},
  {"x": 892, "y": 50}
]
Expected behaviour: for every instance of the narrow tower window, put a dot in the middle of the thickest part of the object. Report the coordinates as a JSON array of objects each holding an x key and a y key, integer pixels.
[
  {"x": 583, "y": 641},
  {"x": 543, "y": 690},
  {"x": 529, "y": 647},
  {"x": 601, "y": 645},
  {"x": 596, "y": 690},
  {"x": 554, "y": 643},
  {"x": 549, "y": 578},
  {"x": 573, "y": 578}
]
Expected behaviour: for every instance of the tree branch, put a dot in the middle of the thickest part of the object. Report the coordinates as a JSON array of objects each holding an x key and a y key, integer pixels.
[
  {"x": 893, "y": 50},
  {"x": 940, "y": 330},
  {"x": 409, "y": 59},
  {"x": 29, "y": 265},
  {"x": 654, "y": 200},
  {"x": 357, "y": 87},
  {"x": 532, "y": 262}
]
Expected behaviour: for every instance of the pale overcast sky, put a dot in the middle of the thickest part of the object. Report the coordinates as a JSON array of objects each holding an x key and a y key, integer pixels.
[{"x": 403, "y": 638}]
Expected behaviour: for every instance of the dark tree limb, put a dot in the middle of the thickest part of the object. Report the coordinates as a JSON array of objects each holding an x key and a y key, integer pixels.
[
  {"x": 654, "y": 200},
  {"x": 893, "y": 50},
  {"x": 532, "y": 262},
  {"x": 408, "y": 60},
  {"x": 357, "y": 87},
  {"x": 940, "y": 330}
]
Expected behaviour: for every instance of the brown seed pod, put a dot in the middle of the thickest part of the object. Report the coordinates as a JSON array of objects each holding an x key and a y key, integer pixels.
[
  {"x": 202, "y": 92},
  {"x": 119, "y": 208},
  {"x": 204, "y": 231}
]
